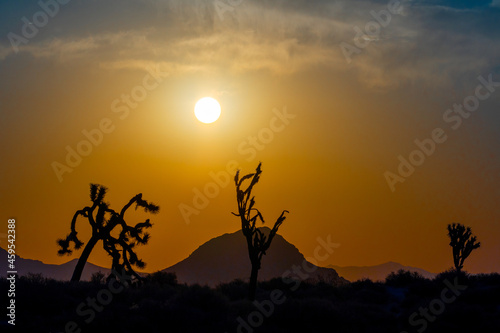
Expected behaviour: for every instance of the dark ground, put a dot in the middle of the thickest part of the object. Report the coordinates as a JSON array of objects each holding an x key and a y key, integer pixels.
[{"x": 406, "y": 302}]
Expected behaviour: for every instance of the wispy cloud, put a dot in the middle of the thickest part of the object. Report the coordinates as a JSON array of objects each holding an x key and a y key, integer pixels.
[{"x": 424, "y": 43}]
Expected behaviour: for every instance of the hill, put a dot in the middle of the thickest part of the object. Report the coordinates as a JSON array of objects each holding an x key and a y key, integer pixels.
[
  {"x": 58, "y": 272},
  {"x": 225, "y": 258}
]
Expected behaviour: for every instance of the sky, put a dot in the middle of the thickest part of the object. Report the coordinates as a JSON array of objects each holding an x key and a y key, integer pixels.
[{"x": 375, "y": 122}]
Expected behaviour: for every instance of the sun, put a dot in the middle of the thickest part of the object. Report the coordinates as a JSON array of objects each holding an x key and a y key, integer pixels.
[{"x": 207, "y": 110}]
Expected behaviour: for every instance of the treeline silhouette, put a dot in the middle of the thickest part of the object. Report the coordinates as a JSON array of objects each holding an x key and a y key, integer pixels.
[
  {"x": 160, "y": 304},
  {"x": 119, "y": 239},
  {"x": 126, "y": 301}
]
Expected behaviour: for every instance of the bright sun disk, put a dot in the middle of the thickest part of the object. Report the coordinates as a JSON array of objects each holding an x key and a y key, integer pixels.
[{"x": 207, "y": 110}]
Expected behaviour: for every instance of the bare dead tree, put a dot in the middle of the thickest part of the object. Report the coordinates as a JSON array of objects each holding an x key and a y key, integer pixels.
[{"x": 258, "y": 243}]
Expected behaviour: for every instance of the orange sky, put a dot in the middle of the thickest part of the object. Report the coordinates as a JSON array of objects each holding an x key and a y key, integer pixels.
[{"x": 325, "y": 164}]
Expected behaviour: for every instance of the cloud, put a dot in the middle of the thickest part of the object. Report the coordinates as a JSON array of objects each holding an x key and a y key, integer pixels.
[{"x": 426, "y": 42}]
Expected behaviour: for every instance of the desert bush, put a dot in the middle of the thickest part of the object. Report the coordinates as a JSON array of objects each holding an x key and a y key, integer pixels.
[
  {"x": 161, "y": 278},
  {"x": 234, "y": 290},
  {"x": 451, "y": 274},
  {"x": 34, "y": 278},
  {"x": 403, "y": 278},
  {"x": 98, "y": 278}
]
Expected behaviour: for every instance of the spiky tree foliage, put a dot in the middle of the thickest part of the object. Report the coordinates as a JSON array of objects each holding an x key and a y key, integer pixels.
[
  {"x": 462, "y": 242},
  {"x": 119, "y": 239},
  {"x": 258, "y": 243}
]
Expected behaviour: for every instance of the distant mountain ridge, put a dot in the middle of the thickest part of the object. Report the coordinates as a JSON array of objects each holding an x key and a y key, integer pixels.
[
  {"x": 58, "y": 272},
  {"x": 377, "y": 272},
  {"x": 225, "y": 258}
]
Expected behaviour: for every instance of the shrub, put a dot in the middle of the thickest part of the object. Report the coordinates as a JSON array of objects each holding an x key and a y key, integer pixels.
[
  {"x": 403, "y": 278},
  {"x": 98, "y": 278},
  {"x": 234, "y": 290},
  {"x": 451, "y": 274},
  {"x": 162, "y": 278},
  {"x": 34, "y": 278}
]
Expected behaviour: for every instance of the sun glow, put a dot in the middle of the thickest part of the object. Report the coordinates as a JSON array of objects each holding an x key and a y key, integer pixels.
[{"x": 207, "y": 110}]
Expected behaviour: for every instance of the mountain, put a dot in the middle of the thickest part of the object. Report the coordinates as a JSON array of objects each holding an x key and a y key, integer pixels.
[
  {"x": 225, "y": 258},
  {"x": 58, "y": 272},
  {"x": 377, "y": 272}
]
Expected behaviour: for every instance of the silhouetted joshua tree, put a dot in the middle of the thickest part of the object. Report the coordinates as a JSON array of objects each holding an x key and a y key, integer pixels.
[
  {"x": 257, "y": 242},
  {"x": 119, "y": 239},
  {"x": 462, "y": 243}
]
